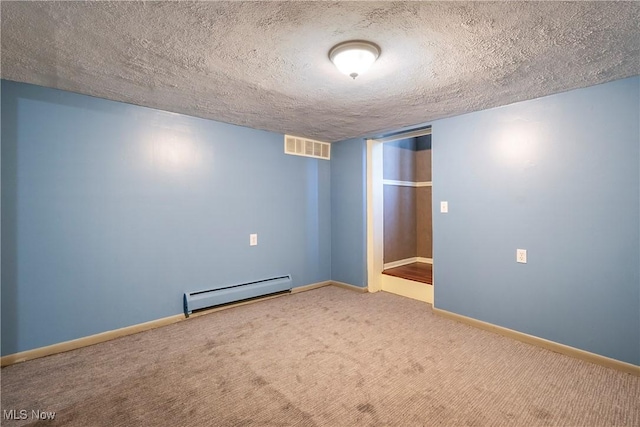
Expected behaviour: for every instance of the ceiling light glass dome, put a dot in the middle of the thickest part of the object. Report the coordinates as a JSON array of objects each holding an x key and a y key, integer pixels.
[{"x": 353, "y": 58}]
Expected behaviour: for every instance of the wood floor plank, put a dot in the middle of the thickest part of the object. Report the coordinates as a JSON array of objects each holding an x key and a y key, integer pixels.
[{"x": 418, "y": 272}]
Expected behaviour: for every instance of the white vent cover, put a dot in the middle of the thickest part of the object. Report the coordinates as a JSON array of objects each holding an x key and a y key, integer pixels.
[{"x": 306, "y": 147}]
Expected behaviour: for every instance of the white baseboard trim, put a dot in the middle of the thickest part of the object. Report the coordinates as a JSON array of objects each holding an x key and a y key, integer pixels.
[
  {"x": 64, "y": 346},
  {"x": 61, "y": 347},
  {"x": 310, "y": 287},
  {"x": 406, "y": 261},
  {"x": 399, "y": 263},
  {"x": 544, "y": 343},
  {"x": 354, "y": 288}
]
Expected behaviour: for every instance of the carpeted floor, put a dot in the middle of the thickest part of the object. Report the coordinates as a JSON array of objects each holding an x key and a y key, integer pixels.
[{"x": 328, "y": 357}]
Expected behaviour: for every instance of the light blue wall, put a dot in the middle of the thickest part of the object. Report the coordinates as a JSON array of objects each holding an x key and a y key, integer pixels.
[
  {"x": 560, "y": 177},
  {"x": 111, "y": 211},
  {"x": 348, "y": 212}
]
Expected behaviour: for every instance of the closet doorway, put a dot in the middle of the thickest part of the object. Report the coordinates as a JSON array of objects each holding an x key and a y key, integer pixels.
[{"x": 399, "y": 219}]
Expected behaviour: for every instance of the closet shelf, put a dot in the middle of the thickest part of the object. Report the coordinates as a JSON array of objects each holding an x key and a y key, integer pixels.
[{"x": 406, "y": 183}]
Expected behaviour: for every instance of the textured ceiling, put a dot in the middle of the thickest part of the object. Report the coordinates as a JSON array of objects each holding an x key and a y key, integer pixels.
[{"x": 265, "y": 64}]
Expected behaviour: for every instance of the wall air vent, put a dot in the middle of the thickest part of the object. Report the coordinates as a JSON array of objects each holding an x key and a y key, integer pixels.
[{"x": 306, "y": 147}]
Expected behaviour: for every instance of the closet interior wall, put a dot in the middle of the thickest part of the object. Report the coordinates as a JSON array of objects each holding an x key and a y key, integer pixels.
[{"x": 407, "y": 199}]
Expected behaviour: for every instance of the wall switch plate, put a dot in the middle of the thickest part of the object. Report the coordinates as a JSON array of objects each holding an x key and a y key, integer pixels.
[
  {"x": 444, "y": 207},
  {"x": 253, "y": 240},
  {"x": 521, "y": 256}
]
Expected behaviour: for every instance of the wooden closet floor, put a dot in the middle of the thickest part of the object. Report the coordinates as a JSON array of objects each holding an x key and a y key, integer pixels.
[{"x": 418, "y": 272}]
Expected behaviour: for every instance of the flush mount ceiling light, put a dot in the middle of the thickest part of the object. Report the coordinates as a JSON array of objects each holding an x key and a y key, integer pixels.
[{"x": 354, "y": 57}]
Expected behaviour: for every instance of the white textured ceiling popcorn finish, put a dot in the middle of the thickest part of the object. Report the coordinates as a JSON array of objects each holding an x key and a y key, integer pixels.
[{"x": 265, "y": 64}]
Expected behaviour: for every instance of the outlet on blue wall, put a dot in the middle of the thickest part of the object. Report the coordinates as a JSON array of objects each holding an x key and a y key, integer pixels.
[
  {"x": 558, "y": 176},
  {"x": 111, "y": 211}
]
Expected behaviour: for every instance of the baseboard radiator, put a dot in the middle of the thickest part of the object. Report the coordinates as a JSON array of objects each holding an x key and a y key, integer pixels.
[{"x": 201, "y": 300}]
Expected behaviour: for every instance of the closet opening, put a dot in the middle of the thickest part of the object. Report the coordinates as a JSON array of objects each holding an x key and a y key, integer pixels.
[{"x": 400, "y": 215}]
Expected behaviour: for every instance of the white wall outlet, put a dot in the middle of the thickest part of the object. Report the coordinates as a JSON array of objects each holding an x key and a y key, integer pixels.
[
  {"x": 253, "y": 240},
  {"x": 521, "y": 256},
  {"x": 444, "y": 207}
]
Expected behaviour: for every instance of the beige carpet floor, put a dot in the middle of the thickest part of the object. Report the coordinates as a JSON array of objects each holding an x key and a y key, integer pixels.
[{"x": 327, "y": 357}]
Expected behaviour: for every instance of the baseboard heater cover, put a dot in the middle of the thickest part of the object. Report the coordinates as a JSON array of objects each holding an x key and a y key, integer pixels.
[{"x": 213, "y": 297}]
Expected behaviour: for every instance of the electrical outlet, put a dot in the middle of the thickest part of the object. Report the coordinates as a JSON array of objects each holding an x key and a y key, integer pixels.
[
  {"x": 444, "y": 207},
  {"x": 521, "y": 256},
  {"x": 253, "y": 240}
]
